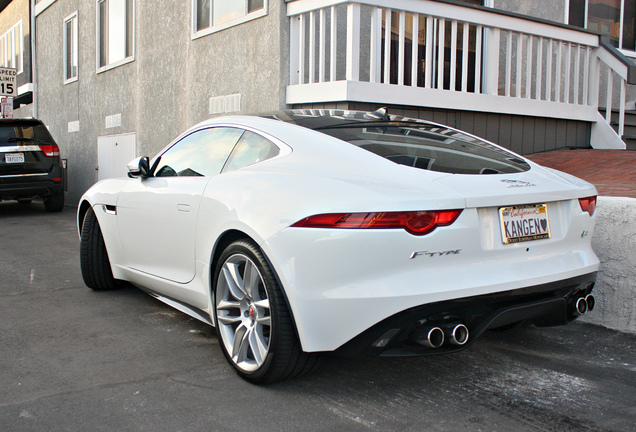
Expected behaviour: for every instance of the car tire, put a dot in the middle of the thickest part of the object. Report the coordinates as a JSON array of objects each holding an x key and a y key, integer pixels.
[
  {"x": 254, "y": 325},
  {"x": 54, "y": 203},
  {"x": 94, "y": 262}
]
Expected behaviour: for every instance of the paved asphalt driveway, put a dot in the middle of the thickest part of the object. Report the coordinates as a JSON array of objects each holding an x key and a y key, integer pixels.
[{"x": 76, "y": 360}]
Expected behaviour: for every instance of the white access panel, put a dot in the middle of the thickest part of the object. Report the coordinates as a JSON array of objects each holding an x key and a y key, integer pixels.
[{"x": 113, "y": 154}]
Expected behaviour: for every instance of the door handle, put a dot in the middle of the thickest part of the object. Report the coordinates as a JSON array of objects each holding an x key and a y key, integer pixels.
[{"x": 183, "y": 207}]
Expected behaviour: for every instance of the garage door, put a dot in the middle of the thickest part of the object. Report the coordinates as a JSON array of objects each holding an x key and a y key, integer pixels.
[{"x": 113, "y": 154}]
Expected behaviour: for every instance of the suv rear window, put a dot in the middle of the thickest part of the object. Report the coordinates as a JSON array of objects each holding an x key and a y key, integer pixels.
[
  {"x": 16, "y": 132},
  {"x": 430, "y": 147}
]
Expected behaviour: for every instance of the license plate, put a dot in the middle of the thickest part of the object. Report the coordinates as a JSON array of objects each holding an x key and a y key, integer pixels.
[
  {"x": 14, "y": 157},
  {"x": 524, "y": 223}
]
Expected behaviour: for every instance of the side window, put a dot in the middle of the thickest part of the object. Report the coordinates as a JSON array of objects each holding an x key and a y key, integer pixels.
[
  {"x": 70, "y": 48},
  {"x": 115, "y": 31},
  {"x": 219, "y": 14},
  {"x": 202, "y": 153},
  {"x": 250, "y": 149}
]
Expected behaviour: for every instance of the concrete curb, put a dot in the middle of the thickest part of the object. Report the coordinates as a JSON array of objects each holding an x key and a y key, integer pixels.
[{"x": 614, "y": 242}]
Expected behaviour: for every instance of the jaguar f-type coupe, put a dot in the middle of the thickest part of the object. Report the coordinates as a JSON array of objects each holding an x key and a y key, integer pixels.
[{"x": 299, "y": 233}]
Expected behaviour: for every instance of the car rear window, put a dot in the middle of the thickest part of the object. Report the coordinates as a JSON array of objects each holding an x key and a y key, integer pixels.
[
  {"x": 429, "y": 147},
  {"x": 12, "y": 133}
]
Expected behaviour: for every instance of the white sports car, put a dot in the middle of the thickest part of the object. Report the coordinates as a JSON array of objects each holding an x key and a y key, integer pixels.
[{"x": 303, "y": 232}]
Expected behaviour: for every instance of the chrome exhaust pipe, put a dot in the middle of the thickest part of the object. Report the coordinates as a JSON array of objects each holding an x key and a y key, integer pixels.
[
  {"x": 580, "y": 307},
  {"x": 434, "y": 338},
  {"x": 458, "y": 335},
  {"x": 591, "y": 302}
]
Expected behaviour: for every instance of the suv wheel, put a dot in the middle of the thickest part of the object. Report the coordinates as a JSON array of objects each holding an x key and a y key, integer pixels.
[{"x": 54, "y": 203}]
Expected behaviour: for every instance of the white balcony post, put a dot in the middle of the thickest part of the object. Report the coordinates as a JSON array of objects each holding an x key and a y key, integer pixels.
[
  {"x": 595, "y": 73},
  {"x": 376, "y": 46},
  {"x": 294, "y": 50},
  {"x": 441, "y": 46},
  {"x": 401, "y": 46},
  {"x": 428, "y": 75},
  {"x": 478, "y": 59},
  {"x": 492, "y": 61},
  {"x": 465, "y": 34},
  {"x": 322, "y": 47},
  {"x": 453, "y": 59},
  {"x": 312, "y": 47},
  {"x": 353, "y": 42},
  {"x": 621, "y": 113},
  {"x": 334, "y": 44},
  {"x": 610, "y": 91},
  {"x": 388, "y": 23},
  {"x": 529, "y": 62},
  {"x": 518, "y": 67},
  {"x": 508, "y": 71},
  {"x": 415, "y": 44}
]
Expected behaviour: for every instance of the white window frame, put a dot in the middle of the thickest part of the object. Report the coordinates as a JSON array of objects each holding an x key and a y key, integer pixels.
[
  {"x": 75, "y": 48},
  {"x": 9, "y": 40},
  {"x": 117, "y": 63},
  {"x": 240, "y": 20},
  {"x": 625, "y": 52}
]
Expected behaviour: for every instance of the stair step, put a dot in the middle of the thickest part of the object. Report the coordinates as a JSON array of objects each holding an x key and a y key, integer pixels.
[{"x": 630, "y": 141}]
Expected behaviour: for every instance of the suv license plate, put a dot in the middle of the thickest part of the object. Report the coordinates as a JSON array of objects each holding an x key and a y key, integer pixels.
[
  {"x": 14, "y": 157},
  {"x": 524, "y": 223}
]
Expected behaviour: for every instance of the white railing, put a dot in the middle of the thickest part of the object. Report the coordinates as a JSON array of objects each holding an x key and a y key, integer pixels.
[{"x": 427, "y": 53}]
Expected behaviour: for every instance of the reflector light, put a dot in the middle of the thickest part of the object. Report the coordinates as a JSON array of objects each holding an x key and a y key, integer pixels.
[
  {"x": 414, "y": 222},
  {"x": 57, "y": 179},
  {"x": 50, "y": 150},
  {"x": 588, "y": 204}
]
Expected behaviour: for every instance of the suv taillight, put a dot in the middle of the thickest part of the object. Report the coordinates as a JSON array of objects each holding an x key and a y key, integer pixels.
[{"x": 50, "y": 150}]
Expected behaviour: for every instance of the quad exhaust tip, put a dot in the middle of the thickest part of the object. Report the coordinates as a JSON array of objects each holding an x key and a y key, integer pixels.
[
  {"x": 459, "y": 335},
  {"x": 434, "y": 338},
  {"x": 453, "y": 334},
  {"x": 584, "y": 304}
]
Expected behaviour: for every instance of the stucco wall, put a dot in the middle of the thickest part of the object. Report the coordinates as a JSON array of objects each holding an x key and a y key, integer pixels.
[
  {"x": 615, "y": 244},
  {"x": 553, "y": 10},
  {"x": 165, "y": 90}
]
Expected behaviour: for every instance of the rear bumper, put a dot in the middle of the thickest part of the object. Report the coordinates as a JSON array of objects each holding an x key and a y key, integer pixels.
[
  {"x": 549, "y": 304},
  {"x": 42, "y": 186}
]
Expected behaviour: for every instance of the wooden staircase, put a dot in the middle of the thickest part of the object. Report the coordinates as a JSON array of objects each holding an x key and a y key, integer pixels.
[{"x": 629, "y": 134}]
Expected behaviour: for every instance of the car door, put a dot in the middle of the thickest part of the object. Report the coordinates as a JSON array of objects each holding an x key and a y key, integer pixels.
[{"x": 157, "y": 215}]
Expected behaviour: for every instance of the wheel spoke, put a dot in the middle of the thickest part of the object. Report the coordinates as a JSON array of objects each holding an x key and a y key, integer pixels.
[
  {"x": 262, "y": 304},
  {"x": 264, "y": 321},
  {"x": 233, "y": 280},
  {"x": 240, "y": 344},
  {"x": 229, "y": 319},
  {"x": 228, "y": 304},
  {"x": 258, "y": 346},
  {"x": 251, "y": 280}
]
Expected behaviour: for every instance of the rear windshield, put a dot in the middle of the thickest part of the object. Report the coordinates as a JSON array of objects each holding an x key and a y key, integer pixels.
[
  {"x": 12, "y": 134},
  {"x": 429, "y": 147}
]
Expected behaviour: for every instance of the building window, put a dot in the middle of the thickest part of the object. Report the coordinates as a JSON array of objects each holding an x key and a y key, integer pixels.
[
  {"x": 115, "y": 28},
  {"x": 611, "y": 18},
  {"x": 215, "y": 15},
  {"x": 70, "y": 48},
  {"x": 11, "y": 48}
]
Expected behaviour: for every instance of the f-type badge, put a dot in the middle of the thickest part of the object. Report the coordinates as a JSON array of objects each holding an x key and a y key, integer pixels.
[
  {"x": 517, "y": 183},
  {"x": 435, "y": 254}
]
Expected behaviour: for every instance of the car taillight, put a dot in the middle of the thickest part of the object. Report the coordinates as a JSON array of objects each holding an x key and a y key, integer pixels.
[
  {"x": 414, "y": 222},
  {"x": 588, "y": 204},
  {"x": 50, "y": 150}
]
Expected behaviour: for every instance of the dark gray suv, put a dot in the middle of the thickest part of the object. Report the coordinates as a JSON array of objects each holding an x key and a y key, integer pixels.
[{"x": 30, "y": 164}]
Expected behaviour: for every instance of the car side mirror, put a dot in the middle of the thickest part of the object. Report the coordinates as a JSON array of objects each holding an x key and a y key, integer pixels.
[{"x": 139, "y": 167}]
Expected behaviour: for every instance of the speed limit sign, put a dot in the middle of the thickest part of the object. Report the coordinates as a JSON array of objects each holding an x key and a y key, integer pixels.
[{"x": 8, "y": 82}]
